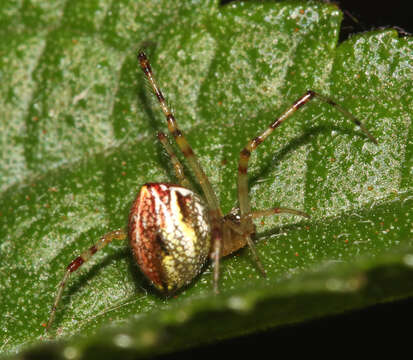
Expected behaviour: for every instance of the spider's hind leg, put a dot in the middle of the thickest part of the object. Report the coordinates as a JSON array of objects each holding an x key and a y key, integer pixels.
[{"x": 76, "y": 263}]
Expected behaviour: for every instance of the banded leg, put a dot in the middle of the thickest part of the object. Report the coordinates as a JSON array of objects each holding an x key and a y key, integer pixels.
[
  {"x": 179, "y": 170},
  {"x": 245, "y": 207},
  {"x": 243, "y": 198},
  {"x": 76, "y": 263},
  {"x": 179, "y": 137}
]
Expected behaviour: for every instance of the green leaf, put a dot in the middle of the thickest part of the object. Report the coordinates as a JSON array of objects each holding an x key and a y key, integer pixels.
[{"x": 78, "y": 140}]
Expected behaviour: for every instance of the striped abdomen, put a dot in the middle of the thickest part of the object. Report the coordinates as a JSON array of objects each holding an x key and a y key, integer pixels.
[{"x": 169, "y": 234}]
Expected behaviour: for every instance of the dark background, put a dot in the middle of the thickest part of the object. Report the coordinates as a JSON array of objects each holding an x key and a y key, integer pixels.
[
  {"x": 365, "y": 15},
  {"x": 368, "y": 331}
]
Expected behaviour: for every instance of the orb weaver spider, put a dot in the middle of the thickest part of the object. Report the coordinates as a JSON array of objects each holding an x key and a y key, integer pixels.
[{"x": 172, "y": 231}]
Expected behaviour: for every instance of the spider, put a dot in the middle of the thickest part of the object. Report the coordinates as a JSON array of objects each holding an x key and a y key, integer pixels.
[{"x": 172, "y": 230}]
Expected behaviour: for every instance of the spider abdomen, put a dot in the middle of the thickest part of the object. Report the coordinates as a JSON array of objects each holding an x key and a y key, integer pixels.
[{"x": 169, "y": 234}]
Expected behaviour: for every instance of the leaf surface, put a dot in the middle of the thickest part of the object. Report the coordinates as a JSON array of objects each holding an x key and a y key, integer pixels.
[{"x": 78, "y": 140}]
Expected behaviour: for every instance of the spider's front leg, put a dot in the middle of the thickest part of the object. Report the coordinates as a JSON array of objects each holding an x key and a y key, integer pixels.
[
  {"x": 245, "y": 154},
  {"x": 179, "y": 137}
]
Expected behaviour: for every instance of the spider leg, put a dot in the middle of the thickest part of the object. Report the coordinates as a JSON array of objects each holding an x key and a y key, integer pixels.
[
  {"x": 343, "y": 111},
  {"x": 179, "y": 137},
  {"x": 275, "y": 211},
  {"x": 238, "y": 238},
  {"x": 245, "y": 207},
  {"x": 215, "y": 212},
  {"x": 243, "y": 198},
  {"x": 238, "y": 228},
  {"x": 76, "y": 263},
  {"x": 217, "y": 238},
  {"x": 179, "y": 170}
]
